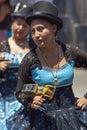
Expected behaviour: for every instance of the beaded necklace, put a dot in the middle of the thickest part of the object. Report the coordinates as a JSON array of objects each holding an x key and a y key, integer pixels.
[{"x": 45, "y": 59}]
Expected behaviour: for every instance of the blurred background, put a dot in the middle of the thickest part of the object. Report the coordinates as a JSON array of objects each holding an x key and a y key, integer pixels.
[{"x": 73, "y": 13}]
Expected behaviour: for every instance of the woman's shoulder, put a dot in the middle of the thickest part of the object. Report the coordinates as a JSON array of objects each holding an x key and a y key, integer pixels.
[
  {"x": 29, "y": 56},
  {"x": 67, "y": 46},
  {"x": 4, "y": 46},
  {"x": 73, "y": 52},
  {"x": 30, "y": 60},
  {"x": 70, "y": 51}
]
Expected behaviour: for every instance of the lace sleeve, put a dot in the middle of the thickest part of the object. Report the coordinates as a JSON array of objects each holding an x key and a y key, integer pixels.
[
  {"x": 4, "y": 46},
  {"x": 24, "y": 77},
  {"x": 85, "y": 95},
  {"x": 78, "y": 55}
]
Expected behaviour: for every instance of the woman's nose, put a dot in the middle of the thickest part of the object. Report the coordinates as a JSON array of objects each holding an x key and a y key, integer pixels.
[
  {"x": 36, "y": 34},
  {"x": 21, "y": 27}
]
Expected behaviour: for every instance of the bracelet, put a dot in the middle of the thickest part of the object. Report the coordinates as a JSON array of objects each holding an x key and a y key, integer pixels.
[{"x": 85, "y": 95}]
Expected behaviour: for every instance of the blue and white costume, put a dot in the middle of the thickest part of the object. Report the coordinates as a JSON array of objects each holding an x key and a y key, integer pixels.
[{"x": 8, "y": 81}]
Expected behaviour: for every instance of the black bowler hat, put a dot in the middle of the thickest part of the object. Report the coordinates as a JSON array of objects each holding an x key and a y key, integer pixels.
[
  {"x": 21, "y": 10},
  {"x": 46, "y": 10}
]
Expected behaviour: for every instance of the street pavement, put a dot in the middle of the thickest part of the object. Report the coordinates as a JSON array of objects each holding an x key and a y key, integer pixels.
[{"x": 80, "y": 82}]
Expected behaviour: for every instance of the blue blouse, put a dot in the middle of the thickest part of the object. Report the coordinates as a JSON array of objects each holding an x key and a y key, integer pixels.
[{"x": 46, "y": 75}]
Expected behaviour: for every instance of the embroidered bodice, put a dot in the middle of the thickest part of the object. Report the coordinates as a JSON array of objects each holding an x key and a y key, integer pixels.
[{"x": 46, "y": 75}]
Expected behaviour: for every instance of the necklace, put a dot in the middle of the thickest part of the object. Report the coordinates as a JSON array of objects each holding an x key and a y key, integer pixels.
[
  {"x": 45, "y": 59},
  {"x": 21, "y": 44}
]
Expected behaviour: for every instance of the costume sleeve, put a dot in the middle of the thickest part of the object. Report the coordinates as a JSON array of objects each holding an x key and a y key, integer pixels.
[
  {"x": 29, "y": 62},
  {"x": 85, "y": 95},
  {"x": 78, "y": 55},
  {"x": 4, "y": 46},
  {"x": 24, "y": 76}
]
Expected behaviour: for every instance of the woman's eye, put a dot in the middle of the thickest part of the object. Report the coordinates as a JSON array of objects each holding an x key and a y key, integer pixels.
[
  {"x": 40, "y": 29},
  {"x": 18, "y": 23}
]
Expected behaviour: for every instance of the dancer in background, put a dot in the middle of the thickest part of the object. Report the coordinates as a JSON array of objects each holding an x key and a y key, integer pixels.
[{"x": 12, "y": 50}]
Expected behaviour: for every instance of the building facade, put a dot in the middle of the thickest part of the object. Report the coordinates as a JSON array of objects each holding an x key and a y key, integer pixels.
[{"x": 73, "y": 13}]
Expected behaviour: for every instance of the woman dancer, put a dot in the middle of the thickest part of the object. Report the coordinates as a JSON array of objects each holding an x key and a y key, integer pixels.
[{"x": 46, "y": 74}]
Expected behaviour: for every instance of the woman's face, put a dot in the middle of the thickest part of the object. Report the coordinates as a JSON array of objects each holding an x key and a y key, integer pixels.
[
  {"x": 20, "y": 28},
  {"x": 43, "y": 32}
]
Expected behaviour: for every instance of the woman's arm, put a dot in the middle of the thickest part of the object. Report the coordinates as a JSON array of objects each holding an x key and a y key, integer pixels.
[
  {"x": 80, "y": 57},
  {"x": 24, "y": 77}
]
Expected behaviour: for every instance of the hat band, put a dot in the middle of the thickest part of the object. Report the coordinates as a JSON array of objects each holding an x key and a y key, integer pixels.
[{"x": 41, "y": 14}]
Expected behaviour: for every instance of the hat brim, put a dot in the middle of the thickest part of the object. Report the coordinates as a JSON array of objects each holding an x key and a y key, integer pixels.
[
  {"x": 15, "y": 15},
  {"x": 58, "y": 21}
]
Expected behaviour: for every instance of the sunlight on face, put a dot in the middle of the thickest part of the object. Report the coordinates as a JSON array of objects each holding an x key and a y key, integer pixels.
[
  {"x": 42, "y": 32},
  {"x": 20, "y": 28}
]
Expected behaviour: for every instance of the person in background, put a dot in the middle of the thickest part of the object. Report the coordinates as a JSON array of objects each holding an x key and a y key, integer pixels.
[
  {"x": 12, "y": 50},
  {"x": 5, "y": 20},
  {"x": 46, "y": 74}
]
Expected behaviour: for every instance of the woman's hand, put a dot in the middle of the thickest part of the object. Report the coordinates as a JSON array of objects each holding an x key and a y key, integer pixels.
[
  {"x": 4, "y": 65},
  {"x": 37, "y": 102},
  {"x": 81, "y": 102}
]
